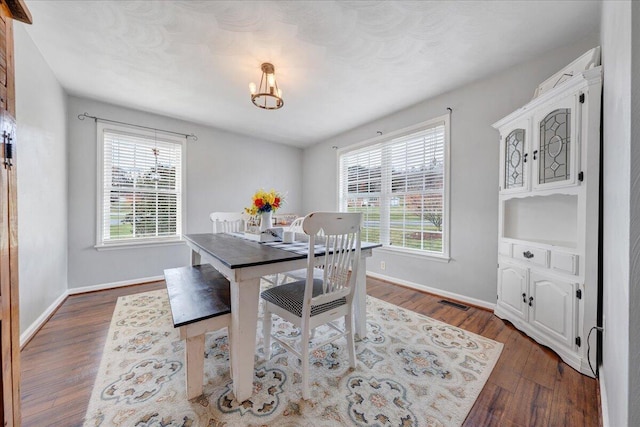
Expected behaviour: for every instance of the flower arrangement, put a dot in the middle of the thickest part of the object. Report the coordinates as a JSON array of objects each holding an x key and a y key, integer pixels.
[{"x": 264, "y": 201}]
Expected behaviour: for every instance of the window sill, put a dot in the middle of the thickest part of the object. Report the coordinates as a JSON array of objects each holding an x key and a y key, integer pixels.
[
  {"x": 137, "y": 244},
  {"x": 415, "y": 254}
]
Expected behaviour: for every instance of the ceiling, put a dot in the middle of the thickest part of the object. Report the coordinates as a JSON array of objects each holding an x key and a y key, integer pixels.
[{"x": 339, "y": 63}]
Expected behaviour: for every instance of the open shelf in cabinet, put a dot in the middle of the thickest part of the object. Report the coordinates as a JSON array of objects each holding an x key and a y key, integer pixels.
[{"x": 551, "y": 219}]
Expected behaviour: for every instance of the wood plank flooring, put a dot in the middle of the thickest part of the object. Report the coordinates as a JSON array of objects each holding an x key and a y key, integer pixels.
[{"x": 530, "y": 385}]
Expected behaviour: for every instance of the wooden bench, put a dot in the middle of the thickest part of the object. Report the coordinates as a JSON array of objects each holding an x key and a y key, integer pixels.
[{"x": 200, "y": 302}]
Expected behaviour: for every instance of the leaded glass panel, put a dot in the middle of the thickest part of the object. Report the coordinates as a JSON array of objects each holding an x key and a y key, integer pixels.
[
  {"x": 555, "y": 147},
  {"x": 514, "y": 159}
]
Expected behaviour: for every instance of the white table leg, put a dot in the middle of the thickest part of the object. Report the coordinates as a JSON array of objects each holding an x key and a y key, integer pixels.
[
  {"x": 195, "y": 258},
  {"x": 244, "y": 318},
  {"x": 195, "y": 365},
  {"x": 360, "y": 300}
]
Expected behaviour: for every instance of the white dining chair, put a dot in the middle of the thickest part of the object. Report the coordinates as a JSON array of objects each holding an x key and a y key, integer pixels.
[
  {"x": 227, "y": 222},
  {"x": 234, "y": 222},
  {"x": 313, "y": 302}
]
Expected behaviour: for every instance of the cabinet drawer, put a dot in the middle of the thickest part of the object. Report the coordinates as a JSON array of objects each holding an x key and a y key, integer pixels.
[
  {"x": 564, "y": 262},
  {"x": 504, "y": 248},
  {"x": 531, "y": 254}
]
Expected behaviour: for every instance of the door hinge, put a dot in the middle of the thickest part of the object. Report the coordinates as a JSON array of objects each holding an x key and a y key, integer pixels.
[
  {"x": 8, "y": 149},
  {"x": 581, "y": 176},
  {"x": 578, "y": 341},
  {"x": 582, "y": 98},
  {"x": 579, "y": 294}
]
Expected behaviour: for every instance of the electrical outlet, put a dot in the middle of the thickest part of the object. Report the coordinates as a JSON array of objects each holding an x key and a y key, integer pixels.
[{"x": 382, "y": 265}]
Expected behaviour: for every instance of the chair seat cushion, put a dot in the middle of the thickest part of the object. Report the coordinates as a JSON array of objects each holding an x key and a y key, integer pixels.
[{"x": 289, "y": 297}]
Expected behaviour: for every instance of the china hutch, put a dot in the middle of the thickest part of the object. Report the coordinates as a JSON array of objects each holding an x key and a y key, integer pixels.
[{"x": 548, "y": 216}]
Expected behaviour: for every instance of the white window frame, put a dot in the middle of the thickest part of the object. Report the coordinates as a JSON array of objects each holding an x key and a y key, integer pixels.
[
  {"x": 446, "y": 213},
  {"x": 101, "y": 244}
]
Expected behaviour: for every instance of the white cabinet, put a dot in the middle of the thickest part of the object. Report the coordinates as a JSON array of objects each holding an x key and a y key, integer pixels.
[
  {"x": 539, "y": 302},
  {"x": 548, "y": 217}
]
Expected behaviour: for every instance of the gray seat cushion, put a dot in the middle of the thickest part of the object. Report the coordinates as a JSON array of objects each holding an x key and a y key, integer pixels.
[{"x": 289, "y": 297}]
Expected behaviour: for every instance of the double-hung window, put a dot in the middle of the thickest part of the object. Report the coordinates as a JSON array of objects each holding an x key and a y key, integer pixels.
[
  {"x": 400, "y": 183},
  {"x": 140, "y": 186}
]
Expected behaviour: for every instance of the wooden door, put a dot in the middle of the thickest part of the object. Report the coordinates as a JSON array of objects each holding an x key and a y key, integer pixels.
[
  {"x": 9, "y": 313},
  {"x": 9, "y": 319}
]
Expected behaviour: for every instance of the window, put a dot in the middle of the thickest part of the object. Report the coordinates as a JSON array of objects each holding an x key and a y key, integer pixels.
[
  {"x": 140, "y": 179},
  {"x": 400, "y": 184}
]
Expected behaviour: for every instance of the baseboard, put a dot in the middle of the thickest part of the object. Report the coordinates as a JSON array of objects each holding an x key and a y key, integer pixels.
[
  {"x": 435, "y": 291},
  {"x": 103, "y": 286},
  {"x": 40, "y": 321},
  {"x": 26, "y": 336},
  {"x": 604, "y": 406}
]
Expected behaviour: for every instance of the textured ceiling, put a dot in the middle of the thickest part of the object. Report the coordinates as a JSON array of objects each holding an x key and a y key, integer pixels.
[{"x": 339, "y": 63}]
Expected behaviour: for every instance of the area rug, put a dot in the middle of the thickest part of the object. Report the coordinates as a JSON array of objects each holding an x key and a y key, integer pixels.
[{"x": 411, "y": 371}]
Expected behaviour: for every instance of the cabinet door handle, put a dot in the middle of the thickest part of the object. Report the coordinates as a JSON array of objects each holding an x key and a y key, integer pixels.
[
  {"x": 527, "y": 254},
  {"x": 525, "y": 157},
  {"x": 530, "y": 301},
  {"x": 524, "y": 298},
  {"x": 535, "y": 153}
]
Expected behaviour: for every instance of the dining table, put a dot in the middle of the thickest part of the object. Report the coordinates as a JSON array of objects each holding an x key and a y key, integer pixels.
[{"x": 244, "y": 262}]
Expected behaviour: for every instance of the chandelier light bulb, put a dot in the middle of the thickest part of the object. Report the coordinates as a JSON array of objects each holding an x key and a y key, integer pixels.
[
  {"x": 252, "y": 88},
  {"x": 271, "y": 80}
]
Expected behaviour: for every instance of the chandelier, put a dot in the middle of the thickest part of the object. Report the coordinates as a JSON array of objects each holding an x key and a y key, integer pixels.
[{"x": 267, "y": 95}]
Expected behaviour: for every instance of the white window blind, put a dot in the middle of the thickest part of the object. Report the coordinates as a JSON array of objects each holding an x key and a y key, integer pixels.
[
  {"x": 399, "y": 184},
  {"x": 141, "y": 197}
]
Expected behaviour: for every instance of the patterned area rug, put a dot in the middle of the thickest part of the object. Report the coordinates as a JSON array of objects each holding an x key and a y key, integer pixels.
[{"x": 411, "y": 371}]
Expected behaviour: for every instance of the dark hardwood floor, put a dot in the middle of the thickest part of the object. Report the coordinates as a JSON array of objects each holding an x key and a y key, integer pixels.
[{"x": 530, "y": 385}]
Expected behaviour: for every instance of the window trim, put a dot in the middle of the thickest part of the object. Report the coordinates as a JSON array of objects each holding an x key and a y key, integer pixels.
[
  {"x": 445, "y": 256},
  {"x": 137, "y": 242}
]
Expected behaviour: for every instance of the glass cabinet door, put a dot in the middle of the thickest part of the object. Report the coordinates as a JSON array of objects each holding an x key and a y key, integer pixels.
[
  {"x": 556, "y": 150},
  {"x": 554, "y": 163},
  {"x": 514, "y": 159}
]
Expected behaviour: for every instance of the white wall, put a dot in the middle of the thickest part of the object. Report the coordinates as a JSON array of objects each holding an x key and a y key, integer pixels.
[
  {"x": 616, "y": 54},
  {"x": 474, "y": 174},
  {"x": 223, "y": 172},
  {"x": 42, "y": 181}
]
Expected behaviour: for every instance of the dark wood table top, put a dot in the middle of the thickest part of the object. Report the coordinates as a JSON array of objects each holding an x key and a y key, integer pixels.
[{"x": 237, "y": 252}]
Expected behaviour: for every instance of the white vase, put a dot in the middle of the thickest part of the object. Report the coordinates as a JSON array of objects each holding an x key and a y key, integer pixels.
[{"x": 265, "y": 220}]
